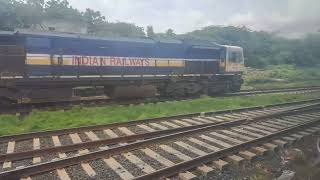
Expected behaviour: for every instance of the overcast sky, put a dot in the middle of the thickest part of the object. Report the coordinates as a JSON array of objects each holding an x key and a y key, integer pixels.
[{"x": 290, "y": 17}]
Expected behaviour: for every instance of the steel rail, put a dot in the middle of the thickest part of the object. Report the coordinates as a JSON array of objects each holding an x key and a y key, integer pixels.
[
  {"x": 187, "y": 165},
  {"x": 48, "y": 166},
  {"x": 280, "y": 89},
  {"x": 105, "y": 142},
  {"x": 266, "y": 89},
  {"x": 136, "y": 137},
  {"x": 19, "y": 137},
  {"x": 246, "y": 93}
]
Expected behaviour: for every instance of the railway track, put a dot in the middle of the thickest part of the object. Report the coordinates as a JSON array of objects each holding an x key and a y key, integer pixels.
[
  {"x": 154, "y": 148},
  {"x": 26, "y": 108},
  {"x": 270, "y": 91}
]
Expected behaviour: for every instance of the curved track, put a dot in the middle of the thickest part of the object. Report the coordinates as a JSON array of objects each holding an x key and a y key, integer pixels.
[{"x": 180, "y": 143}]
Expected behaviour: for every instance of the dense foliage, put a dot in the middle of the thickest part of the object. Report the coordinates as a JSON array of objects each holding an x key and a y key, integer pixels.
[
  {"x": 261, "y": 48},
  {"x": 32, "y": 13},
  {"x": 281, "y": 76}
]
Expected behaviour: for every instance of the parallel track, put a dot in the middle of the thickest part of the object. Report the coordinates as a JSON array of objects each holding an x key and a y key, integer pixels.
[
  {"x": 260, "y": 123},
  {"x": 26, "y": 108}
]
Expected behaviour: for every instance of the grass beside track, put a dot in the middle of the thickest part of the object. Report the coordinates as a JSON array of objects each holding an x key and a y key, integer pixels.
[{"x": 82, "y": 116}]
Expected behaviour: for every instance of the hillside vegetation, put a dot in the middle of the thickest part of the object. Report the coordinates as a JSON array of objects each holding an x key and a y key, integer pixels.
[
  {"x": 281, "y": 76},
  {"x": 261, "y": 48}
]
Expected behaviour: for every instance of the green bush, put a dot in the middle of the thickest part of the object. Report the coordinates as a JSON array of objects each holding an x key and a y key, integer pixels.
[{"x": 282, "y": 76}]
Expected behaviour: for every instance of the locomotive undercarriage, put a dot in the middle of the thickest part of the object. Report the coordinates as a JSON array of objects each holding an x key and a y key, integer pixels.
[
  {"x": 12, "y": 96},
  {"x": 8, "y": 96},
  {"x": 200, "y": 85},
  {"x": 175, "y": 87}
]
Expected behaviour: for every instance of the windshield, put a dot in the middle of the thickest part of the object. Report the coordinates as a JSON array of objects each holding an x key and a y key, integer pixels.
[{"x": 235, "y": 56}]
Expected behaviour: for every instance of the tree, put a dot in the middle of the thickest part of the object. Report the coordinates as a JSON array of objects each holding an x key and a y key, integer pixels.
[
  {"x": 150, "y": 32},
  {"x": 30, "y": 13},
  {"x": 94, "y": 21},
  {"x": 60, "y": 9},
  {"x": 121, "y": 29},
  {"x": 170, "y": 33},
  {"x": 37, "y": 3},
  {"x": 8, "y": 18},
  {"x": 260, "y": 48}
]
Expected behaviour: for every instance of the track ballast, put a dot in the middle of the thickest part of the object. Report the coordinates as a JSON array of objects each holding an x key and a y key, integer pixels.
[{"x": 195, "y": 138}]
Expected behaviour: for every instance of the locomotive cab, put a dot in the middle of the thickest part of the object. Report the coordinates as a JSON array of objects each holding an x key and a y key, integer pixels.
[
  {"x": 234, "y": 61},
  {"x": 231, "y": 67}
]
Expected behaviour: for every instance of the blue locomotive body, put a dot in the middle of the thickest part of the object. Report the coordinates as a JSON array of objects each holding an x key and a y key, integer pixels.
[{"x": 31, "y": 56}]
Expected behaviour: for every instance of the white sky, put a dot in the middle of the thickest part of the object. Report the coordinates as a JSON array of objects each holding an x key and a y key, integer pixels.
[{"x": 290, "y": 17}]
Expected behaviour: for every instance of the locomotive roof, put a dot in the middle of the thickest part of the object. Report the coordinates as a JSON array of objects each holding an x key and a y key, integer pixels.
[{"x": 194, "y": 43}]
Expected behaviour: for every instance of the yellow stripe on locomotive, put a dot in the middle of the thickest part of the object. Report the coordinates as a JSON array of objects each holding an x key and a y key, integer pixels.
[
  {"x": 38, "y": 59},
  {"x": 69, "y": 60}
]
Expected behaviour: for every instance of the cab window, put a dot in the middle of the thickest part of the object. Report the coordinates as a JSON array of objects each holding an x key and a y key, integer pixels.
[
  {"x": 223, "y": 56},
  {"x": 235, "y": 57}
]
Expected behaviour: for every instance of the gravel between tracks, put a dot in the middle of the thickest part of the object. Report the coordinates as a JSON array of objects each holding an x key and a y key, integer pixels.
[
  {"x": 49, "y": 157},
  {"x": 72, "y": 153},
  {"x": 199, "y": 147},
  {"x": 24, "y": 145},
  {"x": 100, "y": 134},
  {"x": 65, "y": 140},
  {"x": 77, "y": 172},
  {"x": 3, "y": 148},
  {"x": 165, "y": 125},
  {"x": 103, "y": 171},
  {"x": 134, "y": 170},
  {"x": 84, "y": 137},
  {"x": 118, "y": 132},
  {"x": 145, "y": 158},
  {"x": 53, "y": 175},
  {"x": 165, "y": 154},
  {"x": 22, "y": 163},
  {"x": 181, "y": 149},
  {"x": 46, "y": 142},
  {"x": 137, "y": 130}
]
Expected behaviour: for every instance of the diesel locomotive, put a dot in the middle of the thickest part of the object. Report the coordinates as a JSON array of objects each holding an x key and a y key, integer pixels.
[{"x": 45, "y": 66}]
